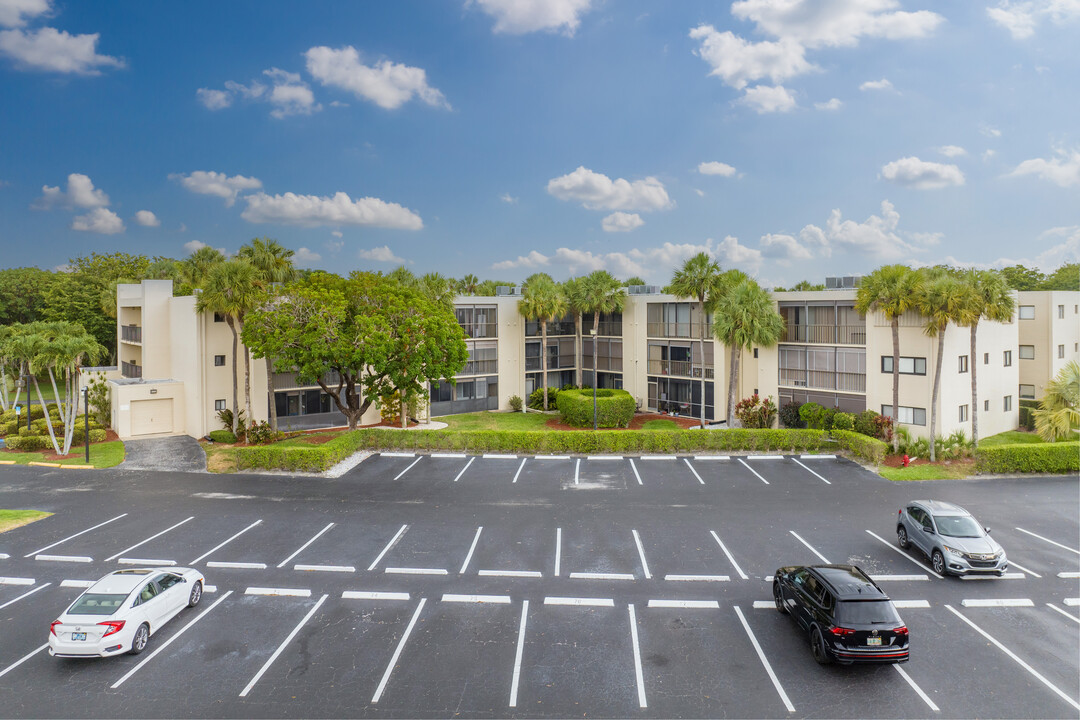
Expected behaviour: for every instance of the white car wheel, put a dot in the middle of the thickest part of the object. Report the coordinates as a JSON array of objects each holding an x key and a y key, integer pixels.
[{"x": 142, "y": 637}]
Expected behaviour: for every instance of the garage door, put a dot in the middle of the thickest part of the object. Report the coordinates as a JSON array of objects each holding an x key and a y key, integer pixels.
[{"x": 151, "y": 416}]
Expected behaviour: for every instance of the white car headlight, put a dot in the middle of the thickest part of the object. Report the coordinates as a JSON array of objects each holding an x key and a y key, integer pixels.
[{"x": 953, "y": 551}]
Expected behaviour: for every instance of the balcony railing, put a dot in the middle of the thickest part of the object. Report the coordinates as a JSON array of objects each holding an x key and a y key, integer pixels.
[
  {"x": 130, "y": 370},
  {"x": 286, "y": 381},
  {"x": 679, "y": 330},
  {"x": 826, "y": 334},
  {"x": 823, "y": 380},
  {"x": 131, "y": 333},
  {"x": 486, "y": 367},
  {"x": 603, "y": 362},
  {"x": 532, "y": 329},
  {"x": 682, "y": 368},
  {"x": 611, "y": 328},
  {"x": 480, "y": 330}
]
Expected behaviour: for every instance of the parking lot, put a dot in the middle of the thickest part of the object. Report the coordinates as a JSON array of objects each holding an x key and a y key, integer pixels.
[{"x": 492, "y": 586}]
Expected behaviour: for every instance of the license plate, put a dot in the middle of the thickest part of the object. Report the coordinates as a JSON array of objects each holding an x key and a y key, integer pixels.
[
  {"x": 78, "y": 636},
  {"x": 873, "y": 641}
]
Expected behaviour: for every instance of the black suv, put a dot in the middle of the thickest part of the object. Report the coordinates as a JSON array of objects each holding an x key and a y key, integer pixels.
[{"x": 846, "y": 616}]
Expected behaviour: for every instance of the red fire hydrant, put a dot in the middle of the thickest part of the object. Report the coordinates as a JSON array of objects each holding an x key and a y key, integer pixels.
[{"x": 906, "y": 460}]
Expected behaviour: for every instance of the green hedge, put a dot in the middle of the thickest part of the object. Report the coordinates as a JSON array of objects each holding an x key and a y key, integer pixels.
[
  {"x": 870, "y": 449},
  {"x": 28, "y": 442},
  {"x": 223, "y": 436},
  {"x": 614, "y": 408},
  {"x": 1051, "y": 458},
  {"x": 312, "y": 458}
]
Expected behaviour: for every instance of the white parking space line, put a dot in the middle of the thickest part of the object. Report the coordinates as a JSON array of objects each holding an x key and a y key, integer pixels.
[
  {"x": 458, "y": 477},
  {"x": 517, "y": 654},
  {"x": 892, "y": 547},
  {"x": 1055, "y": 608},
  {"x": 580, "y": 602},
  {"x": 4, "y": 556},
  {"x": 397, "y": 652},
  {"x": 600, "y": 576},
  {"x": 818, "y": 457},
  {"x": 558, "y": 550},
  {"x": 753, "y": 471},
  {"x": 898, "y": 578},
  {"x": 392, "y": 543},
  {"x": 303, "y": 547},
  {"x": 764, "y": 605},
  {"x": 1024, "y": 569},
  {"x": 551, "y": 457},
  {"x": 912, "y": 604},
  {"x": 637, "y": 658},
  {"x": 152, "y": 562},
  {"x": 493, "y": 456},
  {"x": 1070, "y": 575},
  {"x": 324, "y": 568},
  {"x": 472, "y": 548},
  {"x": 71, "y": 537},
  {"x": 641, "y": 554},
  {"x": 510, "y": 573},
  {"x": 823, "y": 558},
  {"x": 16, "y": 581},
  {"x": 237, "y": 565},
  {"x": 415, "y": 571},
  {"x": 397, "y": 454},
  {"x": 77, "y": 583},
  {"x": 211, "y": 552},
  {"x": 729, "y": 557},
  {"x": 658, "y": 457},
  {"x": 28, "y": 594},
  {"x": 373, "y": 595},
  {"x": 712, "y": 457},
  {"x": 1071, "y": 602},
  {"x": 1063, "y": 547},
  {"x": 698, "y": 578},
  {"x": 65, "y": 558},
  {"x": 398, "y": 476},
  {"x": 152, "y": 537},
  {"x": 636, "y": 474},
  {"x": 1016, "y": 658},
  {"x": 488, "y": 599},
  {"x": 916, "y": 688},
  {"x": 161, "y": 648},
  {"x": 997, "y": 602},
  {"x": 272, "y": 658},
  {"x": 689, "y": 604},
  {"x": 279, "y": 592},
  {"x": 765, "y": 457},
  {"x": 604, "y": 457},
  {"x": 811, "y": 472},
  {"x": 693, "y": 471},
  {"x": 21, "y": 660},
  {"x": 520, "y": 468},
  {"x": 577, "y": 470},
  {"x": 1006, "y": 576},
  {"x": 764, "y": 661},
  {"x": 453, "y": 456}
]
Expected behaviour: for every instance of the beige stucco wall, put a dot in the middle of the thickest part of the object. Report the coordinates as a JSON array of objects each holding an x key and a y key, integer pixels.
[
  {"x": 123, "y": 396},
  {"x": 1046, "y": 332}
]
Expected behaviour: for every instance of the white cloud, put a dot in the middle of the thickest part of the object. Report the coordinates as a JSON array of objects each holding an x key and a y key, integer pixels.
[
  {"x": 288, "y": 94},
  {"x": 1063, "y": 169},
  {"x": 922, "y": 175},
  {"x": 334, "y": 246},
  {"x": 767, "y": 99},
  {"x": 193, "y": 245},
  {"x": 876, "y": 236},
  {"x": 516, "y": 17},
  {"x": 209, "y": 182},
  {"x": 882, "y": 84},
  {"x": 597, "y": 191},
  {"x": 833, "y": 104},
  {"x": 716, "y": 168},
  {"x": 15, "y": 13},
  {"x": 80, "y": 193},
  {"x": 988, "y": 155},
  {"x": 508, "y": 199},
  {"x": 988, "y": 131},
  {"x": 1065, "y": 250},
  {"x": 784, "y": 248},
  {"x": 738, "y": 62},
  {"x": 51, "y": 50},
  {"x": 214, "y": 99},
  {"x": 147, "y": 219},
  {"x": 622, "y": 222},
  {"x": 305, "y": 257},
  {"x": 389, "y": 85},
  {"x": 952, "y": 151},
  {"x": 380, "y": 254},
  {"x": 700, "y": 193},
  {"x": 99, "y": 220},
  {"x": 532, "y": 260},
  {"x": 340, "y": 209},
  {"x": 337, "y": 233},
  {"x": 254, "y": 91},
  {"x": 1022, "y": 18},
  {"x": 839, "y": 23}
]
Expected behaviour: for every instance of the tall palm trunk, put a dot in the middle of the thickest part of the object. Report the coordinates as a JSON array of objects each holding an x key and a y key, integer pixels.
[
  {"x": 247, "y": 385},
  {"x": 272, "y": 392},
  {"x": 974, "y": 388},
  {"x": 895, "y": 323},
  {"x": 235, "y": 379},
  {"x": 934, "y": 397},
  {"x": 579, "y": 354},
  {"x": 701, "y": 340},
  {"x": 733, "y": 379},
  {"x": 543, "y": 359},
  {"x": 48, "y": 420}
]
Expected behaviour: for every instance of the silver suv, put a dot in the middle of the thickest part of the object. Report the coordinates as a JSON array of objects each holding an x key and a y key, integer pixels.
[{"x": 955, "y": 542}]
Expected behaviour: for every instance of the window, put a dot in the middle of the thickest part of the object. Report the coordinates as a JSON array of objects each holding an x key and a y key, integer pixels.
[
  {"x": 1007, "y": 358},
  {"x": 1061, "y": 351},
  {"x": 986, "y": 358},
  {"x": 1007, "y": 404},
  {"x": 442, "y": 391},
  {"x": 219, "y": 404},
  {"x": 1027, "y": 392},
  {"x": 986, "y": 405},
  {"x": 219, "y": 317},
  {"x": 167, "y": 581},
  {"x": 963, "y": 363},
  {"x": 755, "y": 353},
  {"x": 907, "y": 415},
  {"x": 219, "y": 361},
  {"x": 1027, "y": 312},
  {"x": 963, "y": 413},
  {"x": 1061, "y": 312},
  {"x": 908, "y": 365},
  {"x": 1027, "y": 352}
]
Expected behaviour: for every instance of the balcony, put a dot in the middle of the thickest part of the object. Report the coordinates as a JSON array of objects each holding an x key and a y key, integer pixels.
[
  {"x": 486, "y": 367},
  {"x": 826, "y": 334},
  {"x": 606, "y": 329},
  {"x": 130, "y": 370},
  {"x": 289, "y": 380},
  {"x": 131, "y": 333},
  {"x": 679, "y": 330},
  {"x": 823, "y": 380},
  {"x": 683, "y": 368},
  {"x": 479, "y": 331},
  {"x": 532, "y": 329}
]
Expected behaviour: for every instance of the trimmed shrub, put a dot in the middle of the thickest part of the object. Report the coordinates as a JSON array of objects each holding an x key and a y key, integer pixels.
[
  {"x": 78, "y": 435},
  {"x": 813, "y": 415},
  {"x": 1027, "y": 417},
  {"x": 753, "y": 412},
  {"x": 28, "y": 442},
  {"x": 843, "y": 421},
  {"x": 614, "y": 408},
  {"x": 536, "y": 398},
  {"x": 870, "y": 449},
  {"x": 223, "y": 436},
  {"x": 315, "y": 458},
  {"x": 1049, "y": 458},
  {"x": 515, "y": 403},
  {"x": 8, "y": 428},
  {"x": 864, "y": 423},
  {"x": 789, "y": 416}
]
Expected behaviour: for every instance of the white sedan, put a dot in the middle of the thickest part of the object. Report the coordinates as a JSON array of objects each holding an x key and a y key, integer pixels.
[{"x": 122, "y": 610}]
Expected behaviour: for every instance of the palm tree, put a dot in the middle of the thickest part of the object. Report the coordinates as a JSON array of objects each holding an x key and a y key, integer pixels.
[
  {"x": 440, "y": 290},
  {"x": 402, "y": 275},
  {"x": 1058, "y": 415},
  {"x": 940, "y": 301},
  {"x": 543, "y": 301},
  {"x": 196, "y": 266},
  {"x": 574, "y": 292},
  {"x": 468, "y": 285},
  {"x": 743, "y": 317},
  {"x": 231, "y": 288},
  {"x": 633, "y": 281},
  {"x": 988, "y": 297},
  {"x": 601, "y": 293},
  {"x": 698, "y": 279},
  {"x": 890, "y": 290}
]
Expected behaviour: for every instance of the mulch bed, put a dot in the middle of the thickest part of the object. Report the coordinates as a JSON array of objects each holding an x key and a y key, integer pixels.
[
  {"x": 636, "y": 423},
  {"x": 898, "y": 461}
]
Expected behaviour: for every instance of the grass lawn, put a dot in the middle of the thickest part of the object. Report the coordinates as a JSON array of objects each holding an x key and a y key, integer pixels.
[
  {"x": 926, "y": 472},
  {"x": 496, "y": 421},
  {"x": 221, "y": 458},
  {"x": 11, "y": 519},
  {"x": 102, "y": 455},
  {"x": 660, "y": 425},
  {"x": 1013, "y": 437}
]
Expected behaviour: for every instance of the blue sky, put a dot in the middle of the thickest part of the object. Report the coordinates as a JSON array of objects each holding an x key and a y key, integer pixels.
[{"x": 791, "y": 139}]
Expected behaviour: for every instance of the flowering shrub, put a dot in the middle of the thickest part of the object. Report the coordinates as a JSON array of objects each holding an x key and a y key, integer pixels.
[{"x": 755, "y": 413}]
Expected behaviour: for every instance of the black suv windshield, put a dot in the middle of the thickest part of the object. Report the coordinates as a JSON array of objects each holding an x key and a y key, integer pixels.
[
  {"x": 961, "y": 526},
  {"x": 97, "y": 605},
  {"x": 868, "y": 612}
]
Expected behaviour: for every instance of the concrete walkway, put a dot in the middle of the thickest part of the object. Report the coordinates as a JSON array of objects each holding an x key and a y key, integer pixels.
[{"x": 177, "y": 453}]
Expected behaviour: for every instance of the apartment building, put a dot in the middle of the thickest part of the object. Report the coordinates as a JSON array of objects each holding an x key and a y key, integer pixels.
[{"x": 1049, "y": 337}]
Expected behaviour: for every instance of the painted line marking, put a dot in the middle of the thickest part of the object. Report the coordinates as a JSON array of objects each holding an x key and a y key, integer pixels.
[
  {"x": 458, "y": 477},
  {"x": 764, "y": 605},
  {"x": 27, "y": 594},
  {"x": 658, "y": 457},
  {"x": 152, "y": 537},
  {"x": 373, "y": 595},
  {"x": 764, "y": 661},
  {"x": 817, "y": 457},
  {"x": 551, "y": 457},
  {"x": 325, "y": 568},
  {"x": 698, "y": 578},
  {"x": 580, "y": 602},
  {"x": 397, "y": 454},
  {"x": 279, "y": 592},
  {"x": 1071, "y": 602},
  {"x": 476, "y": 538},
  {"x": 1053, "y": 607},
  {"x": 753, "y": 471},
  {"x": 577, "y": 470},
  {"x": 21, "y": 660},
  {"x": 911, "y": 604},
  {"x": 237, "y": 565},
  {"x": 78, "y": 583},
  {"x": 64, "y": 558},
  {"x": 398, "y": 476},
  {"x": 207, "y": 554},
  {"x": 898, "y": 578},
  {"x": 1012, "y": 655},
  {"x": 600, "y": 576},
  {"x": 517, "y": 654},
  {"x": 697, "y": 604},
  {"x": 415, "y": 571},
  {"x": 823, "y": 558},
  {"x": 604, "y": 457},
  {"x": 492, "y": 599},
  {"x": 1063, "y": 547},
  {"x": 272, "y": 658},
  {"x": 520, "y": 468},
  {"x": 811, "y": 472},
  {"x": 4, "y": 556},
  {"x": 637, "y": 658},
  {"x": 393, "y": 541},
  {"x": 146, "y": 561},
  {"x": 453, "y": 456},
  {"x": 687, "y": 461},
  {"x": 891, "y": 547},
  {"x": 997, "y": 602},
  {"x": 160, "y": 648},
  {"x": 303, "y": 547},
  {"x": 641, "y": 554},
  {"x": 1069, "y": 575},
  {"x": 492, "y": 456},
  {"x": 397, "y": 652},
  {"x": 16, "y": 581},
  {"x": 634, "y": 468},
  {"x": 712, "y": 457},
  {"x": 729, "y": 557},
  {"x": 71, "y": 537},
  {"x": 1006, "y": 576},
  {"x": 1024, "y": 569},
  {"x": 511, "y": 573},
  {"x": 926, "y": 699},
  {"x": 765, "y": 457},
  {"x": 558, "y": 550}
]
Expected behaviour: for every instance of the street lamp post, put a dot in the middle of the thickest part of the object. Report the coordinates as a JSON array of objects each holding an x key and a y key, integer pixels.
[
  {"x": 86, "y": 420},
  {"x": 593, "y": 333}
]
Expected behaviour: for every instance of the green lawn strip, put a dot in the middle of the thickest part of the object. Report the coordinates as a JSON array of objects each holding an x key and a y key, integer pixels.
[
  {"x": 1012, "y": 437},
  {"x": 496, "y": 421},
  {"x": 660, "y": 425},
  {"x": 926, "y": 472},
  {"x": 11, "y": 519},
  {"x": 102, "y": 455}
]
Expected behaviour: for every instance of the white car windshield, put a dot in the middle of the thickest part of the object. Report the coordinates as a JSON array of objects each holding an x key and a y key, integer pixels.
[
  {"x": 94, "y": 604},
  {"x": 960, "y": 526}
]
